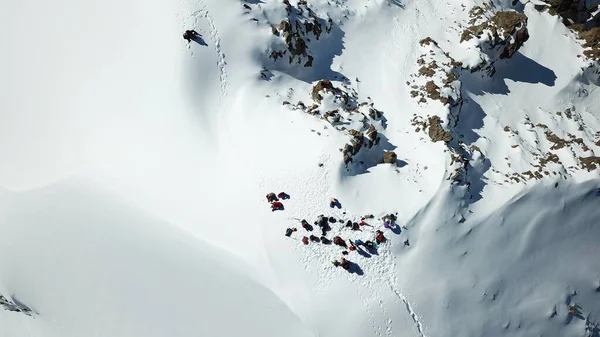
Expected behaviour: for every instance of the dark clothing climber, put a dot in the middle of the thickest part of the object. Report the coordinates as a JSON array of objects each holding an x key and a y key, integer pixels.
[
  {"x": 325, "y": 240},
  {"x": 306, "y": 226},
  {"x": 272, "y": 197},
  {"x": 190, "y": 34},
  {"x": 345, "y": 264},
  {"x": 315, "y": 238},
  {"x": 288, "y": 232},
  {"x": 283, "y": 195}
]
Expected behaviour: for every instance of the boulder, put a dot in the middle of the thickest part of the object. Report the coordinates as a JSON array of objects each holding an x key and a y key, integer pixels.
[{"x": 390, "y": 157}]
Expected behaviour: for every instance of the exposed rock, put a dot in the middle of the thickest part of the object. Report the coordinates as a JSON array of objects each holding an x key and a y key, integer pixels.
[
  {"x": 13, "y": 306},
  {"x": 372, "y": 132},
  {"x": 322, "y": 85},
  {"x": 577, "y": 15},
  {"x": 301, "y": 26},
  {"x": 427, "y": 41},
  {"x": 436, "y": 78},
  {"x": 374, "y": 113},
  {"x": 436, "y": 131},
  {"x": 589, "y": 163},
  {"x": 498, "y": 35},
  {"x": 390, "y": 157}
]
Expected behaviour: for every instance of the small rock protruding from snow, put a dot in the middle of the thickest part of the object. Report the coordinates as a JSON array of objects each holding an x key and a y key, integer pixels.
[{"x": 14, "y": 306}]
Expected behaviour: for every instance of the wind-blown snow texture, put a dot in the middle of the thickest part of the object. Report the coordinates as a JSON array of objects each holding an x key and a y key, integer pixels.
[{"x": 136, "y": 167}]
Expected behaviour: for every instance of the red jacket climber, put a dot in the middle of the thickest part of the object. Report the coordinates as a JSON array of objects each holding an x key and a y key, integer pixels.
[
  {"x": 379, "y": 238},
  {"x": 276, "y": 205},
  {"x": 339, "y": 241}
]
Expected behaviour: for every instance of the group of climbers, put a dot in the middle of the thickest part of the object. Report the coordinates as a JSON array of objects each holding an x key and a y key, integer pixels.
[
  {"x": 324, "y": 223},
  {"x": 274, "y": 200}
]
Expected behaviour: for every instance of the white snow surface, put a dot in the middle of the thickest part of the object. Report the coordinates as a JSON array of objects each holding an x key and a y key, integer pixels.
[{"x": 135, "y": 169}]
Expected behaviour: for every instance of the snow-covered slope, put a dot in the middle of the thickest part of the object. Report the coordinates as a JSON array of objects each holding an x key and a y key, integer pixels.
[
  {"x": 87, "y": 263},
  {"x": 474, "y": 123}
]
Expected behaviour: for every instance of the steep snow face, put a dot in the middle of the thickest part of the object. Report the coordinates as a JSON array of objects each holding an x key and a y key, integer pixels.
[
  {"x": 514, "y": 272},
  {"x": 90, "y": 264}
]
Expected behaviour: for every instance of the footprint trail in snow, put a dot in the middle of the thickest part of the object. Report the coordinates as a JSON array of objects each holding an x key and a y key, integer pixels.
[{"x": 204, "y": 14}]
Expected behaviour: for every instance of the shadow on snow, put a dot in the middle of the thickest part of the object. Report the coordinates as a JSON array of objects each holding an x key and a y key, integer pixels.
[{"x": 471, "y": 115}]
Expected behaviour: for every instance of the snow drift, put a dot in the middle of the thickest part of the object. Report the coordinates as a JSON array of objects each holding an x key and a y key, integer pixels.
[{"x": 90, "y": 264}]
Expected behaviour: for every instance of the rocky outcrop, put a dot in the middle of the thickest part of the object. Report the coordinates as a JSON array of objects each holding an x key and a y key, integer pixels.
[
  {"x": 495, "y": 35},
  {"x": 337, "y": 103},
  {"x": 583, "y": 17},
  {"x": 301, "y": 27},
  {"x": 590, "y": 163},
  {"x": 437, "y": 132},
  {"x": 13, "y": 306},
  {"x": 322, "y": 86},
  {"x": 437, "y": 77}
]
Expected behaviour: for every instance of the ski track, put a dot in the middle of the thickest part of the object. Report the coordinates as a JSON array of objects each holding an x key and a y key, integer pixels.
[{"x": 216, "y": 40}]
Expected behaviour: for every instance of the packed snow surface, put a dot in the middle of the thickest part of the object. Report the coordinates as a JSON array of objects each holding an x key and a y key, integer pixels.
[{"x": 135, "y": 169}]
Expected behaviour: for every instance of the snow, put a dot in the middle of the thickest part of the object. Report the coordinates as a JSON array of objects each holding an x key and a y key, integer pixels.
[
  {"x": 136, "y": 169},
  {"x": 98, "y": 266}
]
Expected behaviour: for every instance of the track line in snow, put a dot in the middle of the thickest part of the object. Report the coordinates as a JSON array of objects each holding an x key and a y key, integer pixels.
[
  {"x": 411, "y": 311},
  {"x": 216, "y": 40}
]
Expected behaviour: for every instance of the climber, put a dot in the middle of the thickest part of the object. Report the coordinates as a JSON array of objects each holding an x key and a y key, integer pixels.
[
  {"x": 289, "y": 231},
  {"x": 272, "y": 197},
  {"x": 369, "y": 244},
  {"x": 276, "y": 205},
  {"x": 190, "y": 34},
  {"x": 323, "y": 221},
  {"x": 379, "y": 238},
  {"x": 325, "y": 240},
  {"x": 406, "y": 243},
  {"x": 315, "y": 239},
  {"x": 334, "y": 203},
  {"x": 305, "y": 240},
  {"x": 339, "y": 241},
  {"x": 349, "y": 224},
  {"x": 352, "y": 246},
  {"x": 306, "y": 226},
  {"x": 355, "y": 226},
  {"x": 358, "y": 242},
  {"x": 362, "y": 223},
  {"x": 345, "y": 264},
  {"x": 283, "y": 195}
]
